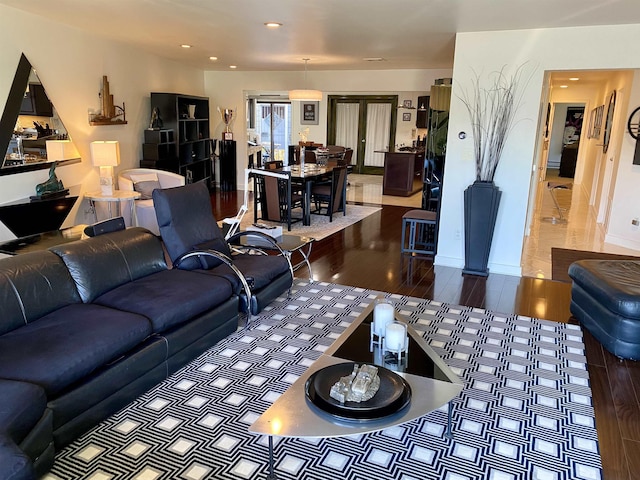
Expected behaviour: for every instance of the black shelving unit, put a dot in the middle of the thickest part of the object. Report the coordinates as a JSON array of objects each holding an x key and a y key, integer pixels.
[{"x": 188, "y": 117}]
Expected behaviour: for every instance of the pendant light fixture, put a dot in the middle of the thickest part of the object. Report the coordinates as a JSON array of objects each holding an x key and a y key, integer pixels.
[{"x": 305, "y": 95}]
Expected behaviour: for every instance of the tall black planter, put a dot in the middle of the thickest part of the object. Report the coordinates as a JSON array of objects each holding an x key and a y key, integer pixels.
[{"x": 481, "y": 202}]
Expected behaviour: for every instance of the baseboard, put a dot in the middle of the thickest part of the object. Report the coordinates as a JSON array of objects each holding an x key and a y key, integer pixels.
[
  {"x": 454, "y": 262},
  {"x": 501, "y": 269},
  {"x": 622, "y": 242}
]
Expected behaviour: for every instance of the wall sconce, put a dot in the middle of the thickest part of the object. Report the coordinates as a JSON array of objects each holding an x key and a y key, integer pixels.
[
  {"x": 106, "y": 155},
  {"x": 61, "y": 150}
]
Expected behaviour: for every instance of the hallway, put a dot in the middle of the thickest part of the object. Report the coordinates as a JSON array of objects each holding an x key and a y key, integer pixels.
[{"x": 579, "y": 232}]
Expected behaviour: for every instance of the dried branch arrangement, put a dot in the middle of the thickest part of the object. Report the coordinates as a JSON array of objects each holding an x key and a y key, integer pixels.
[{"x": 492, "y": 112}]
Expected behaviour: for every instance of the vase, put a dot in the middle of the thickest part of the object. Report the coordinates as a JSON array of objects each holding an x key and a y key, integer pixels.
[{"x": 481, "y": 202}]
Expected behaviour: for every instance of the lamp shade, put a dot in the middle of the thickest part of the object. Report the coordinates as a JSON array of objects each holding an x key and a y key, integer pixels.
[
  {"x": 305, "y": 95},
  {"x": 61, "y": 150},
  {"x": 105, "y": 154},
  {"x": 440, "y": 97}
]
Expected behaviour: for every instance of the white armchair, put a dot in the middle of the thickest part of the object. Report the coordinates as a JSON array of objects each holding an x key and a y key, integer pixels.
[{"x": 140, "y": 179}]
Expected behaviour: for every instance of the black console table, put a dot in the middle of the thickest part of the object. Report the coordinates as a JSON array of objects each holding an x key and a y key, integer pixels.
[
  {"x": 26, "y": 217},
  {"x": 41, "y": 241}
]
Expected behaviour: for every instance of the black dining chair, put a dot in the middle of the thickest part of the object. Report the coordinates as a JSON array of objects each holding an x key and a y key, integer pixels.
[
  {"x": 273, "y": 165},
  {"x": 332, "y": 195},
  {"x": 276, "y": 198}
]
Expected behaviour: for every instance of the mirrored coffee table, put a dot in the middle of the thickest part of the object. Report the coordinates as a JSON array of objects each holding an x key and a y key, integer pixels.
[{"x": 432, "y": 384}]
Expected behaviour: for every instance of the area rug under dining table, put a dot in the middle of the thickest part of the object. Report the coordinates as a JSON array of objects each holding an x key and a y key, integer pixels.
[
  {"x": 525, "y": 411},
  {"x": 320, "y": 226}
]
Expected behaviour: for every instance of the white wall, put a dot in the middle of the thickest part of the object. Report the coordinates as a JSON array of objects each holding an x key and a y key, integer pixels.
[
  {"x": 597, "y": 48},
  {"x": 626, "y": 197},
  {"x": 70, "y": 64},
  {"x": 228, "y": 90}
]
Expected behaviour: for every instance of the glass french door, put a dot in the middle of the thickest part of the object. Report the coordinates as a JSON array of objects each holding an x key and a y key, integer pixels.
[
  {"x": 365, "y": 123},
  {"x": 273, "y": 127}
]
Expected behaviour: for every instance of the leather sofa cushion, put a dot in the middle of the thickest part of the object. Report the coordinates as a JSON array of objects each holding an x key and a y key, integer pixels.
[
  {"x": 613, "y": 283},
  {"x": 261, "y": 269},
  {"x": 169, "y": 298},
  {"x": 32, "y": 285},
  {"x": 22, "y": 406},
  {"x": 14, "y": 464},
  {"x": 68, "y": 344},
  {"x": 102, "y": 263}
]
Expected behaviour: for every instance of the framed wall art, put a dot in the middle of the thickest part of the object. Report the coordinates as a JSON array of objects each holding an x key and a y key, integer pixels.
[
  {"x": 597, "y": 122},
  {"x": 309, "y": 113},
  {"x": 406, "y": 117}
]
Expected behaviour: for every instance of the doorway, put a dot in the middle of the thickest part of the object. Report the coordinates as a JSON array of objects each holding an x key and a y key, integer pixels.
[
  {"x": 564, "y": 143},
  {"x": 273, "y": 128},
  {"x": 567, "y": 184},
  {"x": 365, "y": 123}
]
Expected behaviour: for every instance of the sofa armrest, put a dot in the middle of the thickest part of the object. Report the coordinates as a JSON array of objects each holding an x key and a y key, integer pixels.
[
  {"x": 170, "y": 180},
  {"x": 125, "y": 183}
]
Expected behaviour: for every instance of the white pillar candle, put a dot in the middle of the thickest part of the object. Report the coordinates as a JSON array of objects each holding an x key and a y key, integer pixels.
[
  {"x": 395, "y": 337},
  {"x": 382, "y": 316}
]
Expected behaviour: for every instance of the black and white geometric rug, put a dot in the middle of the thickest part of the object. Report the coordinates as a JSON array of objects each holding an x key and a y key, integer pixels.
[{"x": 525, "y": 412}]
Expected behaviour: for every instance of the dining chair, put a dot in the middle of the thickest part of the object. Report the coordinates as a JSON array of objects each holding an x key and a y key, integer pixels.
[
  {"x": 273, "y": 164},
  {"x": 194, "y": 241},
  {"x": 275, "y": 198},
  {"x": 333, "y": 195},
  {"x": 310, "y": 156}
]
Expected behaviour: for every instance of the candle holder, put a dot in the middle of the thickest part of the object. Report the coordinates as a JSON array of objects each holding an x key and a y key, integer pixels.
[
  {"x": 383, "y": 315},
  {"x": 396, "y": 340}
]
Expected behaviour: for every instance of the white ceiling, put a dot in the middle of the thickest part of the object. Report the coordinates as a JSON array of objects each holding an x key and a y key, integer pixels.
[{"x": 333, "y": 34}]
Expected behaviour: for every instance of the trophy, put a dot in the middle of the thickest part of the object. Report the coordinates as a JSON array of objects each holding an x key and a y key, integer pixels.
[{"x": 227, "y": 117}]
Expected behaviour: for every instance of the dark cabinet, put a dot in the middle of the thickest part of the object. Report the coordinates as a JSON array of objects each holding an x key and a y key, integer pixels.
[
  {"x": 402, "y": 173},
  {"x": 568, "y": 160},
  {"x": 159, "y": 150},
  {"x": 422, "y": 112},
  {"x": 36, "y": 102},
  {"x": 228, "y": 178},
  {"x": 188, "y": 117}
]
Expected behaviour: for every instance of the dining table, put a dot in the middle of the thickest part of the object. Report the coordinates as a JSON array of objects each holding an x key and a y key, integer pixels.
[{"x": 307, "y": 175}]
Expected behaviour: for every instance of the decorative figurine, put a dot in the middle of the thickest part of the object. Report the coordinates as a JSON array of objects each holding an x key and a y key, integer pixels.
[
  {"x": 360, "y": 386},
  {"x": 52, "y": 185},
  {"x": 156, "y": 122}
]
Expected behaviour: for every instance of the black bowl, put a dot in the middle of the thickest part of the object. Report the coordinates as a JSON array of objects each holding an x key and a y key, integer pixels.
[{"x": 393, "y": 395}]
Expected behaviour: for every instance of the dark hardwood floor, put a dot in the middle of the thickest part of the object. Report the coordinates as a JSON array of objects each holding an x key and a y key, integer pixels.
[{"x": 367, "y": 255}]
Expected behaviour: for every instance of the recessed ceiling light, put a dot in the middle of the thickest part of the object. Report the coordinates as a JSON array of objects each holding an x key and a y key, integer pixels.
[
  {"x": 574, "y": 79},
  {"x": 184, "y": 45},
  {"x": 373, "y": 59},
  {"x": 233, "y": 66},
  {"x": 564, "y": 86},
  {"x": 213, "y": 58},
  {"x": 272, "y": 24}
]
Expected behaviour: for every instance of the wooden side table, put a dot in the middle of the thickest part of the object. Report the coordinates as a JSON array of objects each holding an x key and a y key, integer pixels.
[{"x": 118, "y": 197}]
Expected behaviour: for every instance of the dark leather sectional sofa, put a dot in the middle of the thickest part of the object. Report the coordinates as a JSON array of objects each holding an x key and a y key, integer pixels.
[{"x": 87, "y": 327}]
